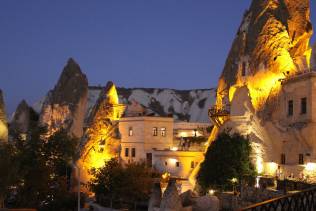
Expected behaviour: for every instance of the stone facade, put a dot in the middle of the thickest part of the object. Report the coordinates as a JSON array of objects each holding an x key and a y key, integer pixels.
[
  {"x": 161, "y": 143},
  {"x": 138, "y": 133}
]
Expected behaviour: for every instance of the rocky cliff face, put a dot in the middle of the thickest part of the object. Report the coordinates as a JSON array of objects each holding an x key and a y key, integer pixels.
[
  {"x": 183, "y": 105},
  {"x": 100, "y": 141},
  {"x": 23, "y": 118},
  {"x": 65, "y": 106},
  {"x": 313, "y": 58},
  {"x": 272, "y": 42},
  {"x": 3, "y": 120}
]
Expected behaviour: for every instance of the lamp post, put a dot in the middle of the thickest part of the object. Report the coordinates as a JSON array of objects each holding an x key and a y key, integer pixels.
[
  {"x": 234, "y": 181},
  {"x": 78, "y": 175}
]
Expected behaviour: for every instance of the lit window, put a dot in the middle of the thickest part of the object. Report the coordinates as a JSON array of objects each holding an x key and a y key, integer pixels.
[
  {"x": 177, "y": 164},
  {"x": 126, "y": 152},
  {"x": 300, "y": 159},
  {"x": 130, "y": 131},
  {"x": 290, "y": 108},
  {"x": 155, "y": 131},
  {"x": 283, "y": 159},
  {"x": 163, "y": 131},
  {"x": 133, "y": 152},
  {"x": 303, "y": 105}
]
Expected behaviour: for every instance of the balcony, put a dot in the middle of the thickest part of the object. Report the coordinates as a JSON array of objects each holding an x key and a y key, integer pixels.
[{"x": 219, "y": 115}]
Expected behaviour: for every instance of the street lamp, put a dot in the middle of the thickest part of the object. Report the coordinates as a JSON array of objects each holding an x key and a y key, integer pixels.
[
  {"x": 234, "y": 181},
  {"x": 78, "y": 176}
]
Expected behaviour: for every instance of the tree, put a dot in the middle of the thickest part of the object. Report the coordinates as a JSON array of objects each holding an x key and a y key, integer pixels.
[
  {"x": 40, "y": 166},
  {"x": 128, "y": 184},
  {"x": 9, "y": 170},
  {"x": 226, "y": 158}
]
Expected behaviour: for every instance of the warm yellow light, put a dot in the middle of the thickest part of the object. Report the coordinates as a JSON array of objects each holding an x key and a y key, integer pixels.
[
  {"x": 165, "y": 175},
  {"x": 308, "y": 55},
  {"x": 3, "y": 132},
  {"x": 257, "y": 185},
  {"x": 271, "y": 168},
  {"x": 310, "y": 166},
  {"x": 231, "y": 94},
  {"x": 259, "y": 164},
  {"x": 211, "y": 192},
  {"x": 234, "y": 180},
  {"x": 174, "y": 148},
  {"x": 183, "y": 134},
  {"x": 102, "y": 127},
  {"x": 173, "y": 160}
]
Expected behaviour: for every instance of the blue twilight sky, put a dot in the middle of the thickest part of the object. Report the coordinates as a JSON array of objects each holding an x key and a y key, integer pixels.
[{"x": 179, "y": 44}]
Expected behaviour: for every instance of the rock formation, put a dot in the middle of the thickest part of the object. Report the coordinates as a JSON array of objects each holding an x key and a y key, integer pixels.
[
  {"x": 23, "y": 118},
  {"x": 3, "y": 120},
  {"x": 272, "y": 41},
  {"x": 101, "y": 136},
  {"x": 270, "y": 48},
  {"x": 184, "y": 105},
  {"x": 313, "y": 58},
  {"x": 206, "y": 203},
  {"x": 65, "y": 105},
  {"x": 171, "y": 199},
  {"x": 155, "y": 197}
]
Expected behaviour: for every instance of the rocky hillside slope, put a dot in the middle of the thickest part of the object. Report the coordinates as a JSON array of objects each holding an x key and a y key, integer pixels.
[{"x": 185, "y": 105}]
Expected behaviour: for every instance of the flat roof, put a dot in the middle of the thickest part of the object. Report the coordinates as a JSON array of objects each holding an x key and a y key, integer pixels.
[{"x": 148, "y": 118}]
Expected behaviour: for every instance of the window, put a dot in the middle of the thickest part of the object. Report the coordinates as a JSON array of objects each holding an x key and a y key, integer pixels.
[
  {"x": 290, "y": 108},
  {"x": 177, "y": 164},
  {"x": 283, "y": 159},
  {"x": 192, "y": 164},
  {"x": 155, "y": 131},
  {"x": 126, "y": 152},
  {"x": 243, "y": 69},
  {"x": 163, "y": 131},
  {"x": 301, "y": 159},
  {"x": 133, "y": 152},
  {"x": 130, "y": 131},
  {"x": 303, "y": 105}
]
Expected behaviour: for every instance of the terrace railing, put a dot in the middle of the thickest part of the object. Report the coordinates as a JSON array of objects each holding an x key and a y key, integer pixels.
[
  {"x": 219, "y": 114},
  {"x": 303, "y": 200}
]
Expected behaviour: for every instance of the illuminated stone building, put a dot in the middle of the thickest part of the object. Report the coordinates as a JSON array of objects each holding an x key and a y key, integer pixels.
[{"x": 162, "y": 143}]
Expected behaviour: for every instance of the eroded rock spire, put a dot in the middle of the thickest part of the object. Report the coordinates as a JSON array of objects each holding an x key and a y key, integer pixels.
[{"x": 65, "y": 105}]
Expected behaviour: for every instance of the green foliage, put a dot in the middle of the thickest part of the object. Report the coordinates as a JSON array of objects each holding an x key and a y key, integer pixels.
[
  {"x": 226, "y": 158},
  {"x": 9, "y": 170},
  {"x": 130, "y": 183},
  {"x": 39, "y": 167}
]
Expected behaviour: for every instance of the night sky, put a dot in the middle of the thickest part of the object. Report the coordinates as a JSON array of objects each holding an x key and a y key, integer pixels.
[{"x": 178, "y": 44}]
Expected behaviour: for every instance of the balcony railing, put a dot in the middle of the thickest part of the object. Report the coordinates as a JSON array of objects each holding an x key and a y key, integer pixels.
[
  {"x": 219, "y": 114},
  {"x": 303, "y": 200}
]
